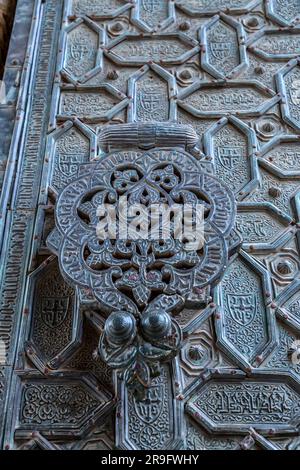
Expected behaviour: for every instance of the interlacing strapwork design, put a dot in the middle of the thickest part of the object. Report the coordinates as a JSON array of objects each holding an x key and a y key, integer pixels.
[{"x": 143, "y": 342}]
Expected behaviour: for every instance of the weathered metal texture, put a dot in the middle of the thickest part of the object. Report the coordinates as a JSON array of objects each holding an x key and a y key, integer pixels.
[{"x": 151, "y": 97}]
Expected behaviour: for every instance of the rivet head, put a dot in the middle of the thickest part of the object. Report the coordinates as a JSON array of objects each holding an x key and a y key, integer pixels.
[
  {"x": 274, "y": 192},
  {"x": 195, "y": 353},
  {"x": 185, "y": 74},
  {"x": 112, "y": 75},
  {"x": 117, "y": 27},
  {"x": 284, "y": 267},
  {"x": 185, "y": 26},
  {"x": 267, "y": 127},
  {"x": 252, "y": 22},
  {"x": 259, "y": 70}
]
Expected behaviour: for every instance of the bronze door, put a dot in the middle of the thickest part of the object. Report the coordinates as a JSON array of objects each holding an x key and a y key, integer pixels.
[{"x": 136, "y": 343}]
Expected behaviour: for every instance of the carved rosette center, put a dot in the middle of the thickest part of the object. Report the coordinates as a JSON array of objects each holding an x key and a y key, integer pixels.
[{"x": 142, "y": 282}]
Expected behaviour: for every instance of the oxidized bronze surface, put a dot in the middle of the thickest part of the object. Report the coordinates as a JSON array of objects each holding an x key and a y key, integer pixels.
[{"x": 140, "y": 342}]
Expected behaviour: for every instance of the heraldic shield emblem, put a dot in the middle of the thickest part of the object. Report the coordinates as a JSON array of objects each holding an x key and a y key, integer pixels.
[
  {"x": 149, "y": 407},
  {"x": 54, "y": 310},
  {"x": 242, "y": 307},
  {"x": 68, "y": 164},
  {"x": 221, "y": 50}
]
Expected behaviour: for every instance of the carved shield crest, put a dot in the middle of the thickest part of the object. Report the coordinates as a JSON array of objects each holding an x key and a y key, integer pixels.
[
  {"x": 149, "y": 407},
  {"x": 229, "y": 156},
  {"x": 150, "y": 5},
  {"x": 54, "y": 310},
  {"x": 68, "y": 164},
  {"x": 80, "y": 51},
  {"x": 242, "y": 307},
  {"x": 149, "y": 101},
  {"x": 221, "y": 49}
]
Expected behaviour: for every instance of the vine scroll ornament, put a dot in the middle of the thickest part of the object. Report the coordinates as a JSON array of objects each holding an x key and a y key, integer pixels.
[{"x": 142, "y": 283}]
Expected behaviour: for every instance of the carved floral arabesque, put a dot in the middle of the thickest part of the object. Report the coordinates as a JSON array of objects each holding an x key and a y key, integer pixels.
[
  {"x": 50, "y": 404},
  {"x": 292, "y": 83},
  {"x": 288, "y": 9},
  {"x": 281, "y": 359},
  {"x": 90, "y": 7},
  {"x": 198, "y": 439},
  {"x": 156, "y": 177}
]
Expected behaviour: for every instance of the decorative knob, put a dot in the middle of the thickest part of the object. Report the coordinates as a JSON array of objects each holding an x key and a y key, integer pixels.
[
  {"x": 156, "y": 324},
  {"x": 120, "y": 327},
  {"x": 274, "y": 192},
  {"x": 195, "y": 353},
  {"x": 284, "y": 268}
]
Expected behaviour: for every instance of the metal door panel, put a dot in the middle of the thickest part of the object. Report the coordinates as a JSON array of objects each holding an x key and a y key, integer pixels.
[{"x": 187, "y": 95}]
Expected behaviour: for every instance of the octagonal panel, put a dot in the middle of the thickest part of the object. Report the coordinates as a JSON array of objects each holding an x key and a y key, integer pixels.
[
  {"x": 193, "y": 7},
  {"x": 91, "y": 104},
  {"x": 212, "y": 99},
  {"x": 223, "y": 52},
  {"x": 275, "y": 45},
  {"x": 283, "y": 155},
  {"x": 284, "y": 266},
  {"x": 261, "y": 226},
  {"x": 284, "y": 12},
  {"x": 151, "y": 15},
  {"x": 165, "y": 48},
  {"x": 232, "y": 405},
  {"x": 56, "y": 325},
  {"x": 198, "y": 353},
  {"x": 82, "y": 53},
  {"x": 57, "y": 407},
  {"x": 244, "y": 324},
  {"x": 98, "y": 9},
  {"x": 71, "y": 145},
  {"x": 232, "y": 144}
]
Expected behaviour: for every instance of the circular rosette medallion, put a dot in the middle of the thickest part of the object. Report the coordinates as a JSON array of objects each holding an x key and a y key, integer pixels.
[{"x": 136, "y": 225}]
